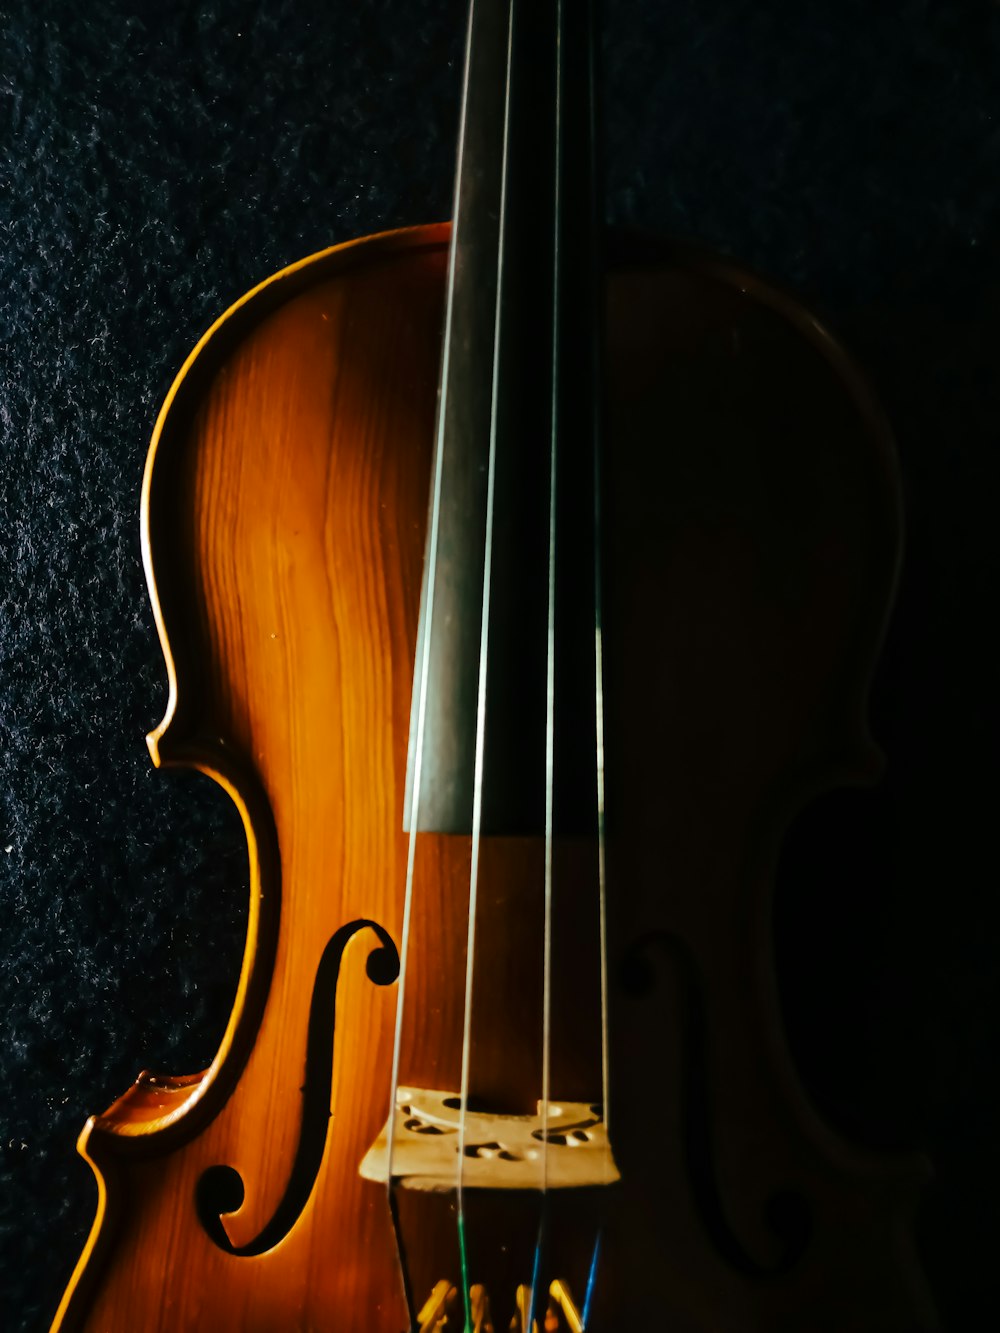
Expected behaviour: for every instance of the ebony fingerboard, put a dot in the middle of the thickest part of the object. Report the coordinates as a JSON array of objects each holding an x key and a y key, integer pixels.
[{"x": 520, "y": 368}]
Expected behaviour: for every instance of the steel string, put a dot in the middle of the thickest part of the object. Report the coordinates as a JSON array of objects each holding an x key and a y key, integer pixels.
[
  {"x": 550, "y": 670},
  {"x": 424, "y": 670},
  {"x": 477, "y": 800}
]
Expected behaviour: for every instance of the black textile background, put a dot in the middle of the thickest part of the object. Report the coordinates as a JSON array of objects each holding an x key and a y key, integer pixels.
[{"x": 159, "y": 158}]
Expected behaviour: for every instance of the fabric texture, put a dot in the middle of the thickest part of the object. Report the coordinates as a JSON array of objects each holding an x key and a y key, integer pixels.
[{"x": 159, "y": 159}]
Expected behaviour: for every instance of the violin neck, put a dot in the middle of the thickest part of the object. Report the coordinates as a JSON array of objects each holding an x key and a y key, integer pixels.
[{"x": 508, "y": 607}]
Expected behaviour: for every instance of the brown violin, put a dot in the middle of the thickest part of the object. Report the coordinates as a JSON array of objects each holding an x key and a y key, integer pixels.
[{"x": 520, "y": 583}]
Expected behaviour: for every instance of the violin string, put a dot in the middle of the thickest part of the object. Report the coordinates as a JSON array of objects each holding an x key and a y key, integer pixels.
[
  {"x": 550, "y": 663},
  {"x": 550, "y": 683},
  {"x": 596, "y": 211},
  {"x": 423, "y": 673},
  {"x": 588, "y": 1297},
  {"x": 596, "y": 272},
  {"x": 477, "y": 800}
]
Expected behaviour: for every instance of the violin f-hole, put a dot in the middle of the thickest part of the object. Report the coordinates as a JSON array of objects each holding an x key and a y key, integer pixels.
[
  {"x": 220, "y": 1190},
  {"x": 787, "y": 1214}
]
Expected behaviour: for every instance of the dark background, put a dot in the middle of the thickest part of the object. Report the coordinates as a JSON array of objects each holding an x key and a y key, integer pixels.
[{"x": 157, "y": 160}]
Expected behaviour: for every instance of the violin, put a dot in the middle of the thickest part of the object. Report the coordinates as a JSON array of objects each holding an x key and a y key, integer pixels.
[{"x": 519, "y": 582}]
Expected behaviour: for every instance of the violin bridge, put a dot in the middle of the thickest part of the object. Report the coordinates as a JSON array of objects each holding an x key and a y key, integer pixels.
[{"x": 500, "y": 1151}]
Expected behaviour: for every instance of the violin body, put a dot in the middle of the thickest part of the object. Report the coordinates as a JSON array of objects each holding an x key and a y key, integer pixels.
[{"x": 751, "y": 547}]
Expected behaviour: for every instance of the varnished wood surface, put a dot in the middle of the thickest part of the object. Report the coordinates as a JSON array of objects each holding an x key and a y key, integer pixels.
[{"x": 752, "y": 546}]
